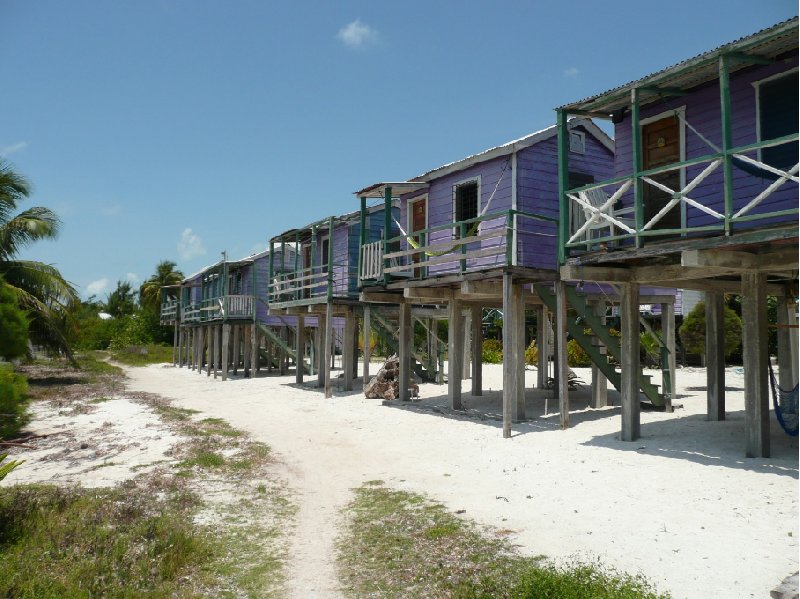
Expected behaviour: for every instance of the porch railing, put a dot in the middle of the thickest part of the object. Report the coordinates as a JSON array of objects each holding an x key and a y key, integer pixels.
[
  {"x": 312, "y": 283},
  {"x": 613, "y": 214},
  {"x": 480, "y": 243},
  {"x": 169, "y": 311},
  {"x": 191, "y": 313}
]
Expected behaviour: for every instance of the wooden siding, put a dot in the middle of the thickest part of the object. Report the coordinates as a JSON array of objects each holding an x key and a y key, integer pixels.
[{"x": 703, "y": 113}]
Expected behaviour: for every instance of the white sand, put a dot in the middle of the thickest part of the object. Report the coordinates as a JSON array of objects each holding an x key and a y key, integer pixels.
[{"x": 682, "y": 505}]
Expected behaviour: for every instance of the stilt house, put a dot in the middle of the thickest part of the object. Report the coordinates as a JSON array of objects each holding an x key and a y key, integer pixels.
[{"x": 703, "y": 195}]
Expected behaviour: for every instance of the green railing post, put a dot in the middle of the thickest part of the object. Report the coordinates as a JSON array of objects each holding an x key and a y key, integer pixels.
[
  {"x": 225, "y": 290},
  {"x": 462, "y": 227},
  {"x": 283, "y": 267},
  {"x": 362, "y": 236},
  {"x": 510, "y": 238},
  {"x": 563, "y": 185},
  {"x": 387, "y": 226},
  {"x": 727, "y": 139},
  {"x": 255, "y": 291},
  {"x": 271, "y": 268},
  {"x": 636, "y": 142},
  {"x": 330, "y": 258},
  {"x": 296, "y": 264}
]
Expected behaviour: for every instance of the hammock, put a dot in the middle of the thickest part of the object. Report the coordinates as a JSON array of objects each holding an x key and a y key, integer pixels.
[
  {"x": 785, "y": 404},
  {"x": 413, "y": 243}
]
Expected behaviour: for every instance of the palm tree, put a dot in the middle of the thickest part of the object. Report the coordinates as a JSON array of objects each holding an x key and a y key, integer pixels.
[
  {"x": 39, "y": 288},
  {"x": 150, "y": 291}
]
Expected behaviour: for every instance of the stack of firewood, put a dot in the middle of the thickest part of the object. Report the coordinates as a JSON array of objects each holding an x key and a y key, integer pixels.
[{"x": 386, "y": 384}]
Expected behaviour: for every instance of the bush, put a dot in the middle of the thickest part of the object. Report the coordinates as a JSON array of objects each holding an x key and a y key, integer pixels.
[
  {"x": 492, "y": 351},
  {"x": 576, "y": 356},
  {"x": 13, "y": 325},
  {"x": 13, "y": 415},
  {"x": 693, "y": 330},
  {"x": 650, "y": 349},
  {"x": 532, "y": 354}
]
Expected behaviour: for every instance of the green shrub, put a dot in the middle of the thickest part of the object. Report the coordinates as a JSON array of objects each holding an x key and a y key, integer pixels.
[
  {"x": 693, "y": 330},
  {"x": 649, "y": 349},
  {"x": 492, "y": 351},
  {"x": 532, "y": 354},
  {"x": 13, "y": 415},
  {"x": 13, "y": 325},
  {"x": 576, "y": 356}
]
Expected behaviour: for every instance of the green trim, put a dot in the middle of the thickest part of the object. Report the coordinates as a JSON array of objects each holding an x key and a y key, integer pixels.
[
  {"x": 563, "y": 183},
  {"x": 387, "y": 227},
  {"x": 362, "y": 235},
  {"x": 727, "y": 140},
  {"x": 296, "y": 258},
  {"x": 750, "y": 217},
  {"x": 330, "y": 259},
  {"x": 636, "y": 143}
]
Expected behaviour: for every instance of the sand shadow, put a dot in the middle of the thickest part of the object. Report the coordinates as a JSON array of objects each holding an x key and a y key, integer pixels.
[{"x": 710, "y": 443}]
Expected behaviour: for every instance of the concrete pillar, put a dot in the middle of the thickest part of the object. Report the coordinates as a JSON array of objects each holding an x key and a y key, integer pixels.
[
  {"x": 367, "y": 331},
  {"x": 405, "y": 341},
  {"x": 455, "y": 353},
  {"x": 715, "y": 355},
  {"x": 668, "y": 334},
  {"x": 561, "y": 364},
  {"x": 300, "y": 349},
  {"x": 629, "y": 317},
  {"x": 599, "y": 381},
  {"x": 754, "y": 346},
  {"x": 349, "y": 349},
  {"x": 477, "y": 351}
]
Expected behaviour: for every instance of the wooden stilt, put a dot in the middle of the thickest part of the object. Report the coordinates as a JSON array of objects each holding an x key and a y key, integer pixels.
[
  {"x": 509, "y": 378},
  {"x": 629, "y": 317},
  {"x": 467, "y": 359},
  {"x": 367, "y": 328},
  {"x": 477, "y": 351},
  {"x": 754, "y": 352},
  {"x": 715, "y": 355},
  {"x": 404, "y": 342},
  {"x": 255, "y": 351},
  {"x": 349, "y": 349},
  {"x": 319, "y": 342},
  {"x": 668, "y": 334},
  {"x": 282, "y": 355},
  {"x": 518, "y": 351},
  {"x": 543, "y": 343},
  {"x": 216, "y": 348},
  {"x": 599, "y": 381},
  {"x": 300, "y": 349},
  {"x": 226, "y": 334},
  {"x": 787, "y": 356},
  {"x": 247, "y": 351},
  {"x": 455, "y": 353},
  {"x": 175, "y": 347},
  {"x": 562, "y": 367},
  {"x": 328, "y": 347},
  {"x": 237, "y": 346}
]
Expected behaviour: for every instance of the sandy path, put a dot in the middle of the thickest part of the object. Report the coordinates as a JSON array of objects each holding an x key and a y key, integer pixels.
[{"x": 682, "y": 505}]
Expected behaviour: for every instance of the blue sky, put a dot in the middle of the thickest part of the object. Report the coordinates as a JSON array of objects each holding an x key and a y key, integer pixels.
[{"x": 176, "y": 129}]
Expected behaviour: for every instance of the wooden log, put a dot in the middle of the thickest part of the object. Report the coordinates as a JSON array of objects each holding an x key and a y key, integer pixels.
[
  {"x": 226, "y": 340},
  {"x": 404, "y": 342},
  {"x": 715, "y": 355},
  {"x": 300, "y": 349},
  {"x": 754, "y": 352},
  {"x": 629, "y": 386},
  {"x": 455, "y": 343},
  {"x": 599, "y": 381},
  {"x": 367, "y": 331},
  {"x": 477, "y": 351},
  {"x": 349, "y": 349},
  {"x": 561, "y": 363},
  {"x": 668, "y": 333}
]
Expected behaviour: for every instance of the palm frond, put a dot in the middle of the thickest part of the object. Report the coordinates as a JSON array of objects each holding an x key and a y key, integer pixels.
[
  {"x": 13, "y": 188},
  {"x": 26, "y": 227}
]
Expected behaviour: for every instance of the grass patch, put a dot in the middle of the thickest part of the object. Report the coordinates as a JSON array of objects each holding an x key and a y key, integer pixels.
[
  {"x": 204, "y": 459},
  {"x": 100, "y": 400},
  {"x": 142, "y": 355},
  {"x": 401, "y": 544}
]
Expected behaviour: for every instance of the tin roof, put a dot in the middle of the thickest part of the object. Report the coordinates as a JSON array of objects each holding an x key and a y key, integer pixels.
[{"x": 768, "y": 43}]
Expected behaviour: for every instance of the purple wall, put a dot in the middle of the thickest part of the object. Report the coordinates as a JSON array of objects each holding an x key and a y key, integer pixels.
[{"x": 703, "y": 113}]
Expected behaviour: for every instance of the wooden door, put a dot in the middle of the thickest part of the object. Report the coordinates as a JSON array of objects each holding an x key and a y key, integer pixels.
[
  {"x": 662, "y": 146},
  {"x": 418, "y": 223}
]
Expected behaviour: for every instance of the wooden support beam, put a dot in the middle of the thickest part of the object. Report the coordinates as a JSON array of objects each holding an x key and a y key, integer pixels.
[
  {"x": 561, "y": 364},
  {"x": 471, "y": 290},
  {"x": 349, "y": 349},
  {"x": 428, "y": 294},
  {"x": 509, "y": 378},
  {"x": 754, "y": 352},
  {"x": 300, "y": 349},
  {"x": 181, "y": 343},
  {"x": 477, "y": 351},
  {"x": 215, "y": 349},
  {"x": 255, "y": 351},
  {"x": 599, "y": 381},
  {"x": 247, "y": 331},
  {"x": 724, "y": 285},
  {"x": 379, "y": 297},
  {"x": 226, "y": 341},
  {"x": 405, "y": 340},
  {"x": 543, "y": 343},
  {"x": 319, "y": 342},
  {"x": 607, "y": 274},
  {"x": 467, "y": 360},
  {"x": 237, "y": 347},
  {"x": 367, "y": 331},
  {"x": 629, "y": 316},
  {"x": 328, "y": 348},
  {"x": 715, "y": 355},
  {"x": 518, "y": 350},
  {"x": 283, "y": 366},
  {"x": 455, "y": 343},
  {"x": 668, "y": 334},
  {"x": 787, "y": 344},
  {"x": 782, "y": 259},
  {"x": 175, "y": 346}
]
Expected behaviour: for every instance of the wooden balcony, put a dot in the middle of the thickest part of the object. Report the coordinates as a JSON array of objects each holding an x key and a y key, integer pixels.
[
  {"x": 220, "y": 308},
  {"x": 311, "y": 285},
  {"x": 169, "y": 311}
]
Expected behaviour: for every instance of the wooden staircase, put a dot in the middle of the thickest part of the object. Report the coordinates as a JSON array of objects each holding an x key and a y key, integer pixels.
[
  {"x": 282, "y": 346},
  {"x": 602, "y": 332},
  {"x": 387, "y": 325}
]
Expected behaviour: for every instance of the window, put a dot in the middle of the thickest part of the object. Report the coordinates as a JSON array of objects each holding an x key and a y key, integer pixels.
[
  {"x": 324, "y": 258},
  {"x": 777, "y": 113},
  {"x": 577, "y": 142},
  {"x": 465, "y": 200}
]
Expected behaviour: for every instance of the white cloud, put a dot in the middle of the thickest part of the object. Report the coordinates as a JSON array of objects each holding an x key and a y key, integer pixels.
[
  {"x": 190, "y": 245},
  {"x": 8, "y": 150},
  {"x": 357, "y": 34},
  {"x": 571, "y": 72},
  {"x": 97, "y": 287},
  {"x": 132, "y": 278}
]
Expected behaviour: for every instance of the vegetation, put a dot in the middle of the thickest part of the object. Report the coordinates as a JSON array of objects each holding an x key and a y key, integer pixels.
[
  {"x": 399, "y": 544},
  {"x": 141, "y": 355},
  {"x": 39, "y": 288},
  {"x": 7, "y": 467},
  {"x": 532, "y": 354},
  {"x": 150, "y": 291},
  {"x": 13, "y": 325},
  {"x": 13, "y": 415},
  {"x": 693, "y": 330},
  {"x": 492, "y": 351}
]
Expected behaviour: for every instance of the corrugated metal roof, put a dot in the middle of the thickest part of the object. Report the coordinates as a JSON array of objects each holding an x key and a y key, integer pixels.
[{"x": 767, "y": 43}]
